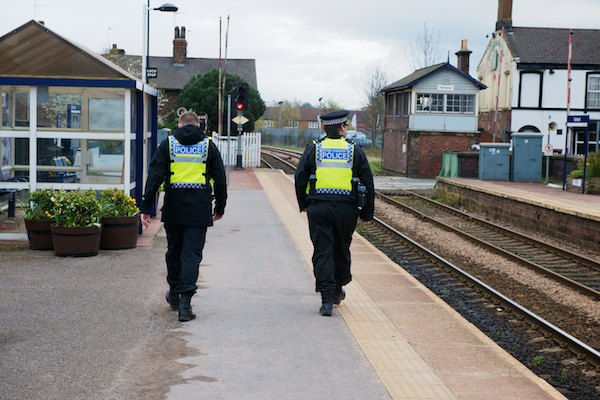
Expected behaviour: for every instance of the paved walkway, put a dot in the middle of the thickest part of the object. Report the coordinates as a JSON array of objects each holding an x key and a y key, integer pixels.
[
  {"x": 99, "y": 328},
  {"x": 258, "y": 334}
]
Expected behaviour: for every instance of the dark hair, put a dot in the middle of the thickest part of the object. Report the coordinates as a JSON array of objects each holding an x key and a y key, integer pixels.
[{"x": 332, "y": 129}]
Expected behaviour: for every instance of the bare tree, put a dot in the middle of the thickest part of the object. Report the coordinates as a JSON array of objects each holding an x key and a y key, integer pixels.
[
  {"x": 425, "y": 51},
  {"x": 288, "y": 111},
  {"x": 329, "y": 105},
  {"x": 374, "y": 101}
]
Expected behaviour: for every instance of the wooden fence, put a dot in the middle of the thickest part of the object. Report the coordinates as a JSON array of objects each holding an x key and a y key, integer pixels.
[{"x": 250, "y": 149}]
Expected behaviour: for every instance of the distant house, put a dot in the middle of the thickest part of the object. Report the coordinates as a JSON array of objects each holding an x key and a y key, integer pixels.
[
  {"x": 283, "y": 123},
  {"x": 431, "y": 111},
  {"x": 525, "y": 69},
  {"x": 290, "y": 117},
  {"x": 176, "y": 71},
  {"x": 286, "y": 125}
]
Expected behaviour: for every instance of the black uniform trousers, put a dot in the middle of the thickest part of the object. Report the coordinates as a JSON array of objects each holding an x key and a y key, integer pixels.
[
  {"x": 331, "y": 225},
  {"x": 184, "y": 254}
]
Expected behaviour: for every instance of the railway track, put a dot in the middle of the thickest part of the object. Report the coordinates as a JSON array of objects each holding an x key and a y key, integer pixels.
[
  {"x": 569, "y": 268},
  {"x": 548, "y": 340},
  {"x": 277, "y": 158},
  {"x": 469, "y": 292}
]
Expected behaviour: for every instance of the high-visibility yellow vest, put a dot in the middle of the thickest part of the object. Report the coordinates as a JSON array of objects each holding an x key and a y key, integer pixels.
[
  {"x": 334, "y": 158},
  {"x": 188, "y": 166}
]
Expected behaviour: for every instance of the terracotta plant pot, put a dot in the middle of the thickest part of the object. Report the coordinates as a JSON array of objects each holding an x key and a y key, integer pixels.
[
  {"x": 39, "y": 234},
  {"x": 119, "y": 233},
  {"x": 77, "y": 241}
]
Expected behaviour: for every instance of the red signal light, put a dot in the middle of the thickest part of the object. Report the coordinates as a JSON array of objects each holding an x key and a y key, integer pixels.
[{"x": 240, "y": 106}]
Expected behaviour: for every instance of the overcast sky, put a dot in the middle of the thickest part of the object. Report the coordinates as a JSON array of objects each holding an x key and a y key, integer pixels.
[{"x": 303, "y": 49}]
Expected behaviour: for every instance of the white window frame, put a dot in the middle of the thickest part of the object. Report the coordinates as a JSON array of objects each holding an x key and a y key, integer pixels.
[
  {"x": 595, "y": 91},
  {"x": 440, "y": 103}
]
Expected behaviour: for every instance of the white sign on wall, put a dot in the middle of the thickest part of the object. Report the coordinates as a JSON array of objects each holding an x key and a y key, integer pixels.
[{"x": 445, "y": 88}]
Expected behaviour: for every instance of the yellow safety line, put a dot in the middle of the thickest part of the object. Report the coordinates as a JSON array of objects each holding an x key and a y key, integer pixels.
[{"x": 401, "y": 369}]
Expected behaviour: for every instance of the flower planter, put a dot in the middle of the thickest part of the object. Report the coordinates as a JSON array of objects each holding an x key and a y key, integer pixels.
[
  {"x": 39, "y": 235},
  {"x": 76, "y": 241},
  {"x": 119, "y": 233}
]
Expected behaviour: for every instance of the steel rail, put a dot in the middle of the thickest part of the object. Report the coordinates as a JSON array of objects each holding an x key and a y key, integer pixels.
[
  {"x": 562, "y": 338},
  {"x": 586, "y": 262}
]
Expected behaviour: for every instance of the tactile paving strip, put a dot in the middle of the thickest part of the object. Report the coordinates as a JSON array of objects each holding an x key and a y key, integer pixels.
[{"x": 402, "y": 370}]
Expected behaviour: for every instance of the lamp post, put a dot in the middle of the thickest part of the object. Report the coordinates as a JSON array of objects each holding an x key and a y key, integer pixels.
[
  {"x": 167, "y": 7},
  {"x": 320, "y": 112}
]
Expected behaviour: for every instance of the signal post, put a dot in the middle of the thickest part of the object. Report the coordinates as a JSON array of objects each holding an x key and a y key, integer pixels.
[{"x": 241, "y": 96}]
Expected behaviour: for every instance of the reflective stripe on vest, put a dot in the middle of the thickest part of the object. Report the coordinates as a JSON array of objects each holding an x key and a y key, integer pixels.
[
  {"x": 188, "y": 166},
  {"x": 334, "y": 158}
]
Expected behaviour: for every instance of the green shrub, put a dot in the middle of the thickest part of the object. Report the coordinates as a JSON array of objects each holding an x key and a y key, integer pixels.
[
  {"x": 576, "y": 174},
  {"x": 76, "y": 208},
  {"x": 41, "y": 206},
  {"x": 116, "y": 203},
  {"x": 593, "y": 164}
]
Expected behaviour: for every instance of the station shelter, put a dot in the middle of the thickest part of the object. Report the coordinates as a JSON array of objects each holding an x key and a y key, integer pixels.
[{"x": 70, "y": 118}]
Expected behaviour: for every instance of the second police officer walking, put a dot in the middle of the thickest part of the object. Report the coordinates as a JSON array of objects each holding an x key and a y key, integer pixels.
[{"x": 334, "y": 185}]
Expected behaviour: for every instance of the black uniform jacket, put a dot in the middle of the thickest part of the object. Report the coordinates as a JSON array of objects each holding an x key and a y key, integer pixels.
[
  {"x": 360, "y": 170},
  {"x": 187, "y": 207}
]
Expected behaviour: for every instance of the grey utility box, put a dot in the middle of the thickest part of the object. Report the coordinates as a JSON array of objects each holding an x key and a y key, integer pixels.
[
  {"x": 494, "y": 161},
  {"x": 162, "y": 134},
  {"x": 527, "y": 157}
]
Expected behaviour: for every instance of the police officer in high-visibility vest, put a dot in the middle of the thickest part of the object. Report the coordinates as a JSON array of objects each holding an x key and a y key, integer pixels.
[
  {"x": 334, "y": 185},
  {"x": 190, "y": 166}
]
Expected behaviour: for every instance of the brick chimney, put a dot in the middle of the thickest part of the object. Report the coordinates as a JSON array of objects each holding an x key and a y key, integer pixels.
[
  {"x": 462, "y": 57},
  {"x": 179, "y": 46},
  {"x": 504, "y": 15}
]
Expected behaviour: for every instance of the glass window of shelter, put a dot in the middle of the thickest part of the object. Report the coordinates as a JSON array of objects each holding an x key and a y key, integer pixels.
[{"x": 61, "y": 157}]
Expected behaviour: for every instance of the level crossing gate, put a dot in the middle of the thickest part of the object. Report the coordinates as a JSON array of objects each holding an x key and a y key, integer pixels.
[{"x": 251, "y": 142}]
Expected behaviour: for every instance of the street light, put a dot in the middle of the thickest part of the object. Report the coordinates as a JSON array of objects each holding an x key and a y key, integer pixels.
[
  {"x": 167, "y": 7},
  {"x": 320, "y": 112}
]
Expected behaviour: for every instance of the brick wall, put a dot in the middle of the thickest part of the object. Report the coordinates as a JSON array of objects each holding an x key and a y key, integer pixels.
[
  {"x": 426, "y": 148},
  {"x": 423, "y": 155},
  {"x": 503, "y": 126},
  {"x": 547, "y": 221}
]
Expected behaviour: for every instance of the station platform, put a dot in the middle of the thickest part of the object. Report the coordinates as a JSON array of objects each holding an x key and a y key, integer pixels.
[
  {"x": 547, "y": 209},
  {"x": 259, "y": 335}
]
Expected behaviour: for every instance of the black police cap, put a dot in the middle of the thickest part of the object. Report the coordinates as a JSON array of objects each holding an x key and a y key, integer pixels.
[{"x": 335, "y": 117}]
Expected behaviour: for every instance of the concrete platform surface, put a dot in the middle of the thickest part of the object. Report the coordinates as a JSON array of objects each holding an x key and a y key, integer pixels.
[
  {"x": 547, "y": 196},
  {"x": 99, "y": 328},
  {"x": 419, "y": 346}
]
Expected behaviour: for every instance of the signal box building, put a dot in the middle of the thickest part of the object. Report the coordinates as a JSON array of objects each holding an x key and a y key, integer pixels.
[{"x": 429, "y": 112}]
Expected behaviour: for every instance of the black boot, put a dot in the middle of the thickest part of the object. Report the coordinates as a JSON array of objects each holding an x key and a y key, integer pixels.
[
  {"x": 339, "y": 295},
  {"x": 327, "y": 304},
  {"x": 173, "y": 300},
  {"x": 185, "y": 308}
]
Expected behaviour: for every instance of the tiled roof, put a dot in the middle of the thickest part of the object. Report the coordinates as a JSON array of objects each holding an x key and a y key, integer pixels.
[
  {"x": 418, "y": 75},
  {"x": 551, "y": 46},
  {"x": 172, "y": 76}
]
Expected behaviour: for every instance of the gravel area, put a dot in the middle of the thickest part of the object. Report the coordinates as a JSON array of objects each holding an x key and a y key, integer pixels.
[{"x": 564, "y": 307}]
